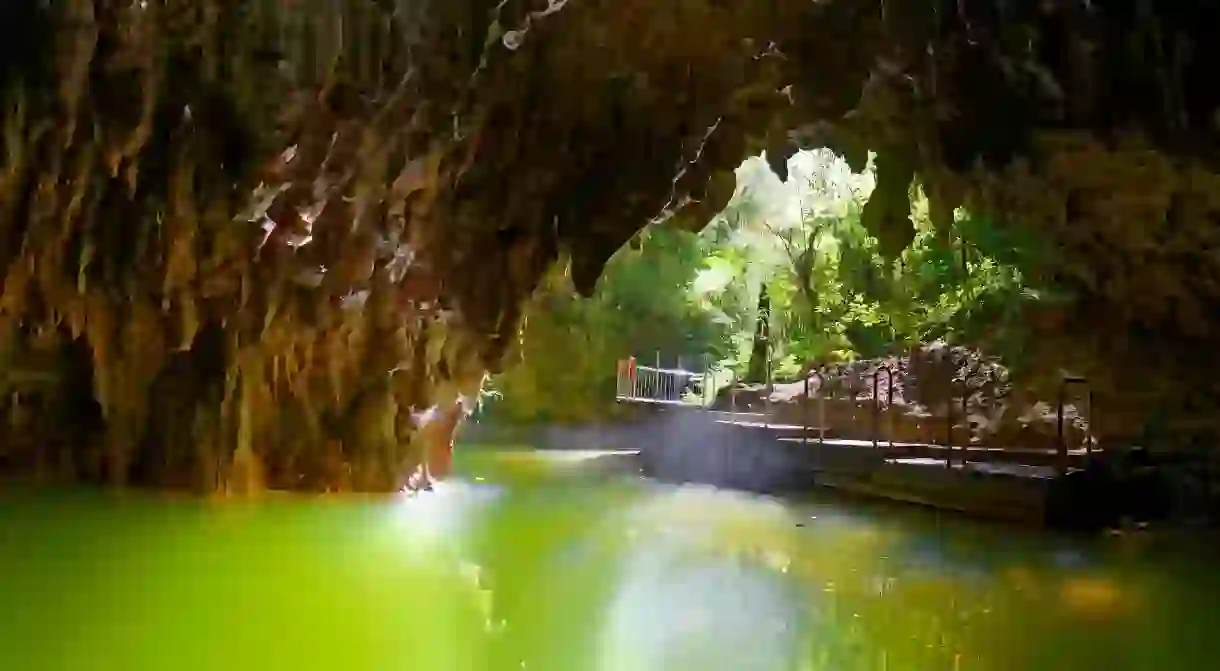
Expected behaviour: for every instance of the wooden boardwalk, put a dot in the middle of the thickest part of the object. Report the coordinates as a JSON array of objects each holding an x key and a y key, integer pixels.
[
  {"x": 654, "y": 387},
  {"x": 1024, "y": 461}
]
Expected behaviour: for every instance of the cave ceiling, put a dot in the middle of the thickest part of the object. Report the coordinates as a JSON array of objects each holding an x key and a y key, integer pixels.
[{"x": 347, "y": 189}]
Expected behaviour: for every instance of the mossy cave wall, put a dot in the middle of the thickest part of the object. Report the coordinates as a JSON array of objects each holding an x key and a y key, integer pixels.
[{"x": 252, "y": 243}]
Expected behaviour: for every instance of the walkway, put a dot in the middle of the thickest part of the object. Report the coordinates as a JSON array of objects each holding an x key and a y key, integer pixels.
[{"x": 654, "y": 385}]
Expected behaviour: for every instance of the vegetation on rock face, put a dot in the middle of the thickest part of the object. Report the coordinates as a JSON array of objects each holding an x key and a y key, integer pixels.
[{"x": 251, "y": 243}]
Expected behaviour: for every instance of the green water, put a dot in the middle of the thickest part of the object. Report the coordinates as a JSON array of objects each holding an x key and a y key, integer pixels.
[{"x": 535, "y": 562}]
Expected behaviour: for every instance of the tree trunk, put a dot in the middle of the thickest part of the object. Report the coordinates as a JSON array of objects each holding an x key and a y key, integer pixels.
[
  {"x": 804, "y": 276},
  {"x": 758, "y": 370}
]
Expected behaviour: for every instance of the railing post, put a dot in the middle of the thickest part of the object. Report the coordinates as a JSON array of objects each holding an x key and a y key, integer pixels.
[
  {"x": 768, "y": 387},
  {"x": 805, "y": 414},
  {"x": 1062, "y": 446},
  {"x": 821, "y": 410},
  {"x": 703, "y": 382},
  {"x": 1088, "y": 445},
  {"x": 965, "y": 424},
  {"x": 889, "y": 404},
  {"x": 949, "y": 426},
  {"x": 658, "y": 382},
  {"x": 876, "y": 409},
  {"x": 877, "y": 401},
  {"x": 681, "y": 380}
]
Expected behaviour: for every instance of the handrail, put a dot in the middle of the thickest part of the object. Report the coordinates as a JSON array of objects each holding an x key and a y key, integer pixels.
[
  {"x": 889, "y": 402},
  {"x": 666, "y": 371}
]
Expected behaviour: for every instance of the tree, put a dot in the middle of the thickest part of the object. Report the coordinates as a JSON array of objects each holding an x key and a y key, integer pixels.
[
  {"x": 570, "y": 345},
  {"x": 830, "y": 291}
]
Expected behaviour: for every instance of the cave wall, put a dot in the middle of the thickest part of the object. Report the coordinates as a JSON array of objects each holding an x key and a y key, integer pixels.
[{"x": 254, "y": 243}]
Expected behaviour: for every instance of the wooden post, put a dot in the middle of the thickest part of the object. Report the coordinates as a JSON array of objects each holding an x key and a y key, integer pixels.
[
  {"x": 1088, "y": 446},
  {"x": 821, "y": 408},
  {"x": 1062, "y": 447},
  {"x": 1062, "y": 444},
  {"x": 767, "y": 389},
  {"x": 966, "y": 425},
  {"x": 949, "y": 426},
  {"x": 876, "y": 408},
  {"x": 805, "y": 415}
]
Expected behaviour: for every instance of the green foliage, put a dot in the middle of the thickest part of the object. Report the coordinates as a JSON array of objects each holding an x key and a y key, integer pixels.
[
  {"x": 835, "y": 292},
  {"x": 570, "y": 346}
]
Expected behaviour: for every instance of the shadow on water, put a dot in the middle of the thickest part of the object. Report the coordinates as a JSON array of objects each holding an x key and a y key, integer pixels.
[{"x": 572, "y": 562}]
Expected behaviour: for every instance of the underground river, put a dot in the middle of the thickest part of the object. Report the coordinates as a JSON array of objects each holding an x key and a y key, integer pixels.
[{"x": 552, "y": 561}]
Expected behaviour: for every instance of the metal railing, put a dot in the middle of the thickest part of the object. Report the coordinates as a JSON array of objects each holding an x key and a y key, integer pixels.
[
  {"x": 957, "y": 408},
  {"x": 654, "y": 384},
  {"x": 697, "y": 388}
]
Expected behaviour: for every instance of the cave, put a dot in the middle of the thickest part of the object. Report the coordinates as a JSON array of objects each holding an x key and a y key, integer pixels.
[{"x": 261, "y": 243}]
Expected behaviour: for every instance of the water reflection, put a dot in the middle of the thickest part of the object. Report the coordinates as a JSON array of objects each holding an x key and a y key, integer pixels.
[
  {"x": 675, "y": 612},
  {"x": 568, "y": 572},
  {"x": 863, "y": 587}
]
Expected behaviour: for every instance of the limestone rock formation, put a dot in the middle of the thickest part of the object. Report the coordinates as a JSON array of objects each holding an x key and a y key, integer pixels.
[{"x": 260, "y": 242}]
